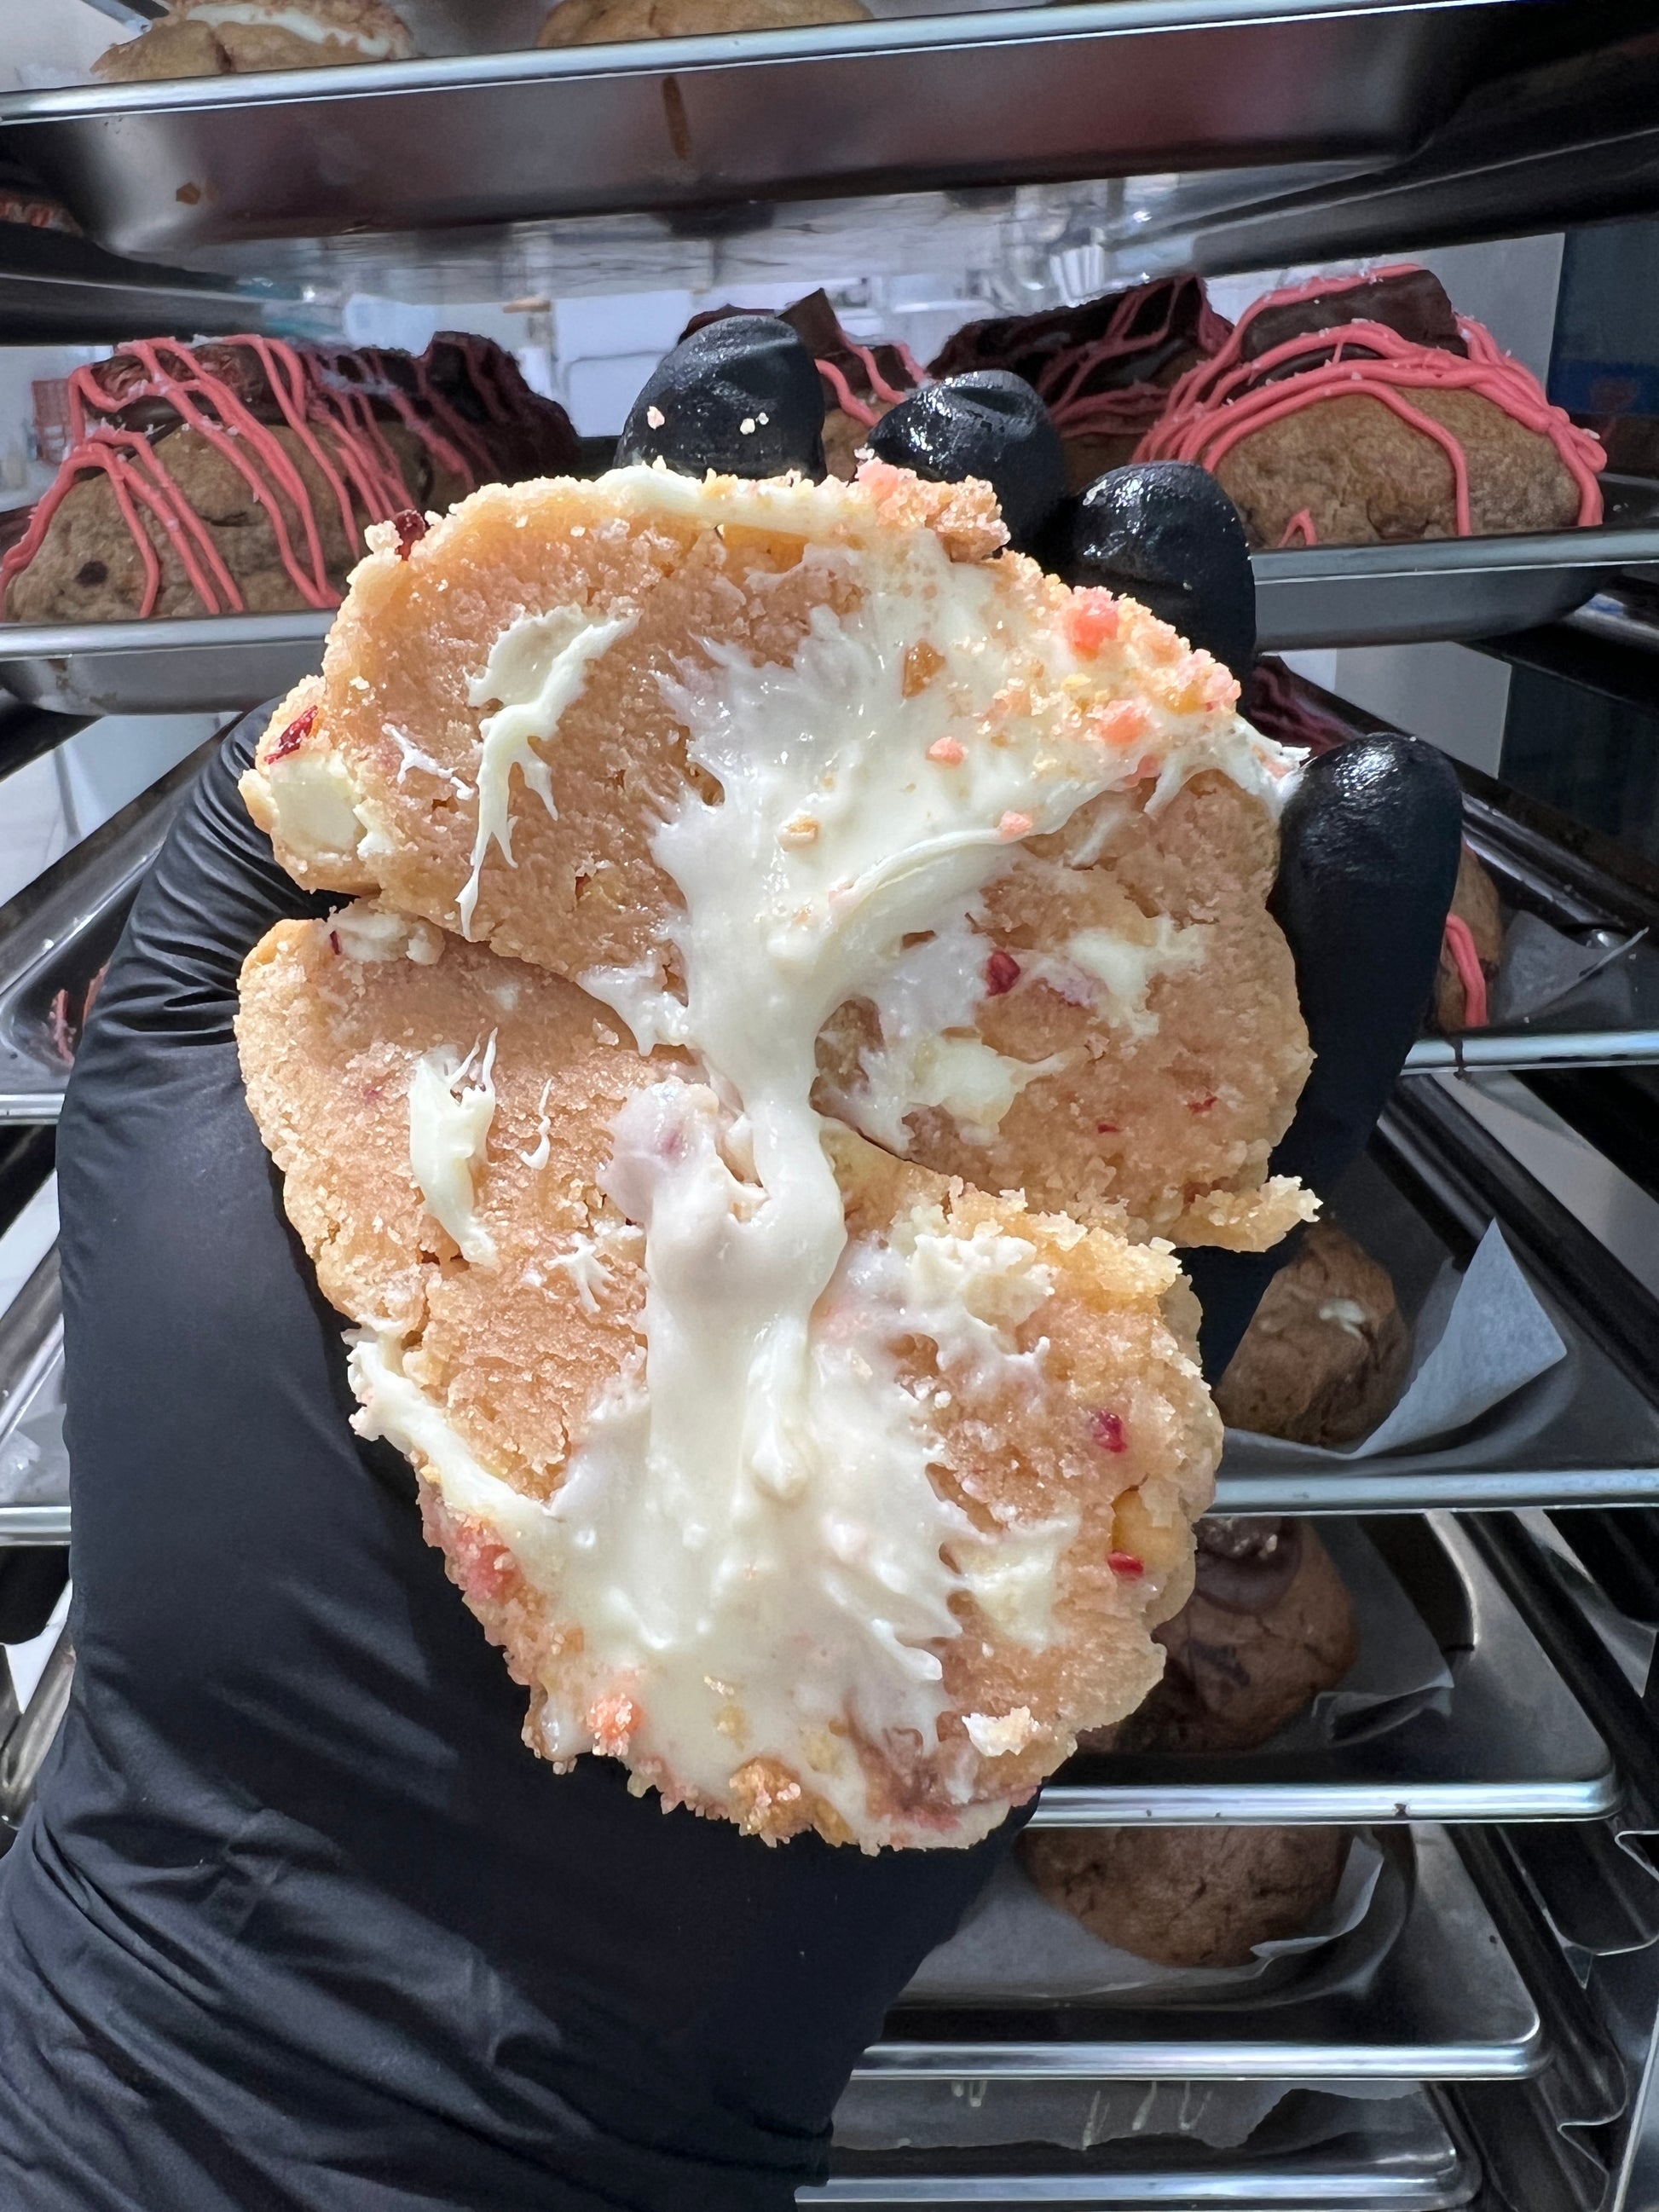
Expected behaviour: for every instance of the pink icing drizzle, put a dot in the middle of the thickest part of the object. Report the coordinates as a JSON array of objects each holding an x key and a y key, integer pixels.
[
  {"x": 1222, "y": 401},
  {"x": 848, "y": 401},
  {"x": 307, "y": 388},
  {"x": 1460, "y": 943},
  {"x": 1060, "y": 385}
]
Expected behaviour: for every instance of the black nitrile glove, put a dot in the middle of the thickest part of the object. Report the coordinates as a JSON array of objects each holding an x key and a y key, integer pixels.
[
  {"x": 741, "y": 396},
  {"x": 298, "y": 1920},
  {"x": 1165, "y": 533},
  {"x": 298, "y": 1925},
  {"x": 990, "y": 424}
]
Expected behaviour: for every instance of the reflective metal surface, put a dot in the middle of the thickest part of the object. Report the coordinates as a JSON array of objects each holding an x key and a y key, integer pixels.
[
  {"x": 1102, "y": 88},
  {"x": 1513, "y": 1743},
  {"x": 35, "y": 1524},
  {"x": 31, "y": 1359},
  {"x": 1451, "y": 587},
  {"x": 1445, "y": 2003},
  {"x": 1568, "y": 1048},
  {"x": 32, "y": 1737},
  {"x": 1314, "y": 2150},
  {"x": 59, "y": 931},
  {"x": 196, "y": 666}
]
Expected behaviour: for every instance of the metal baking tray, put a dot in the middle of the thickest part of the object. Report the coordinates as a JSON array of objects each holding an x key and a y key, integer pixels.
[
  {"x": 197, "y": 666},
  {"x": 1451, "y": 587},
  {"x": 57, "y": 932},
  {"x": 1110, "y": 88},
  {"x": 1443, "y": 2003},
  {"x": 1333, "y": 595},
  {"x": 1586, "y": 1432},
  {"x": 1512, "y": 1744},
  {"x": 31, "y": 1370},
  {"x": 31, "y": 1736},
  {"x": 1313, "y": 2150},
  {"x": 1581, "y": 882}
]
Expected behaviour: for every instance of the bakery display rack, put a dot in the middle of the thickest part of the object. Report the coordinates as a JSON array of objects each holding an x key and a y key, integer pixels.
[
  {"x": 171, "y": 667},
  {"x": 1407, "y": 2152},
  {"x": 1452, "y": 588},
  {"x": 1482, "y": 2037},
  {"x": 1469, "y": 587},
  {"x": 1102, "y": 88},
  {"x": 57, "y": 933},
  {"x": 1439, "y": 1999}
]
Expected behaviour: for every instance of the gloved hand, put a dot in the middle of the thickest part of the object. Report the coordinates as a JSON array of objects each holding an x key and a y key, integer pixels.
[
  {"x": 297, "y": 1920},
  {"x": 1369, "y": 840}
]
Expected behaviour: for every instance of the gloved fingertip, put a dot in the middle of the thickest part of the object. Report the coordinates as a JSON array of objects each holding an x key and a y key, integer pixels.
[
  {"x": 741, "y": 396},
  {"x": 989, "y": 424},
  {"x": 1165, "y": 533}
]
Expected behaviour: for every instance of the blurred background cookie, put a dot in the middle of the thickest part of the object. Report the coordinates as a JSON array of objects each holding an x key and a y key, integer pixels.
[
  {"x": 232, "y": 38},
  {"x": 1326, "y": 1356},
  {"x": 1366, "y": 410},
  {"x": 1471, "y": 952},
  {"x": 598, "y": 22},
  {"x": 1188, "y": 1897},
  {"x": 1105, "y": 368},
  {"x": 1269, "y": 1625}
]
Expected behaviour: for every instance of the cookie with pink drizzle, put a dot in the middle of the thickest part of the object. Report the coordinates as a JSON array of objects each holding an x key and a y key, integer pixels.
[
  {"x": 861, "y": 382},
  {"x": 1363, "y": 410},
  {"x": 1103, "y": 369},
  {"x": 238, "y": 476}
]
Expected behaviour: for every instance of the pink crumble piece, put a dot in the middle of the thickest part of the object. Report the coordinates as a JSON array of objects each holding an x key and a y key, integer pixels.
[
  {"x": 1127, "y": 1564},
  {"x": 1123, "y": 722},
  {"x": 295, "y": 735},
  {"x": 484, "y": 1565},
  {"x": 1001, "y": 973},
  {"x": 1107, "y": 1429},
  {"x": 1091, "y": 621}
]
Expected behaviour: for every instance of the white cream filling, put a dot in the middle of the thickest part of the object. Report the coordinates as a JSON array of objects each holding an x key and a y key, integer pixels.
[
  {"x": 1124, "y": 969},
  {"x": 537, "y": 668},
  {"x": 449, "y": 1120},
  {"x": 994, "y": 1736},
  {"x": 1347, "y": 1313},
  {"x": 586, "y": 1263},
  {"x": 371, "y": 933},
  {"x": 749, "y": 1535},
  {"x": 313, "y": 805},
  {"x": 373, "y": 46}
]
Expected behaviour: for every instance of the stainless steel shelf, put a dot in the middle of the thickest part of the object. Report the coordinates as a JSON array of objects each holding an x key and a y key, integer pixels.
[
  {"x": 59, "y": 931},
  {"x": 34, "y": 1525},
  {"x": 1327, "y": 595},
  {"x": 56, "y": 289},
  {"x": 1444, "y": 2003},
  {"x": 31, "y": 1366},
  {"x": 1513, "y": 1744},
  {"x": 1104, "y": 88},
  {"x": 195, "y": 666},
  {"x": 1533, "y": 1049},
  {"x": 1313, "y": 2151},
  {"x": 1450, "y": 588}
]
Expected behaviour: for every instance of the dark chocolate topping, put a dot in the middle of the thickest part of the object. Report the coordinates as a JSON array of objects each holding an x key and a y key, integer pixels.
[
  {"x": 1246, "y": 1566},
  {"x": 739, "y": 370},
  {"x": 1411, "y": 302},
  {"x": 991, "y": 425},
  {"x": 1167, "y": 315}
]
